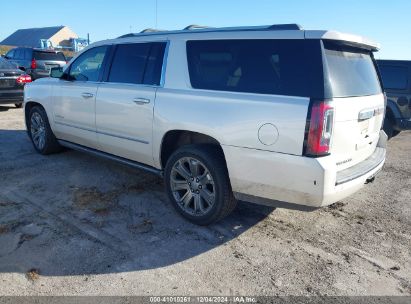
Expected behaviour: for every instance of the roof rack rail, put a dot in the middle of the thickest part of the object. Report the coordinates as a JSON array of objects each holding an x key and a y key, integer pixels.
[
  {"x": 282, "y": 27},
  {"x": 195, "y": 27},
  {"x": 126, "y": 35},
  {"x": 151, "y": 30}
]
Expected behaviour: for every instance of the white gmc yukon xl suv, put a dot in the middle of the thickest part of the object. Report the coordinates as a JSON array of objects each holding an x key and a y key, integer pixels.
[{"x": 274, "y": 115}]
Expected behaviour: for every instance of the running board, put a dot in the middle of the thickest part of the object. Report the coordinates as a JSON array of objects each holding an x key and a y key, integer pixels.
[{"x": 118, "y": 159}]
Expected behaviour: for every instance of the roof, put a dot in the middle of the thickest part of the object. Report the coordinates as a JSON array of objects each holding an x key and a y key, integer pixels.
[
  {"x": 205, "y": 29},
  {"x": 31, "y": 37},
  {"x": 307, "y": 34}
]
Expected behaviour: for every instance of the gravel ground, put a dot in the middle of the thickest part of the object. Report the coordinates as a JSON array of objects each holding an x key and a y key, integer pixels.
[{"x": 71, "y": 224}]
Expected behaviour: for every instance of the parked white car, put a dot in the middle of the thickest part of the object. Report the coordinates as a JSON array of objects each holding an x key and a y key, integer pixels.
[{"x": 273, "y": 115}]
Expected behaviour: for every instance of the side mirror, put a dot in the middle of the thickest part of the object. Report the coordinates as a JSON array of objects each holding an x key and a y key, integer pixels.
[{"x": 56, "y": 72}]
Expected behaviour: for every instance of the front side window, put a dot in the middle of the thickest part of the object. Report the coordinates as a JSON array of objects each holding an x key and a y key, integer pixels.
[
  {"x": 137, "y": 63},
  {"x": 10, "y": 54},
  {"x": 88, "y": 66},
  {"x": 283, "y": 67},
  {"x": 394, "y": 77}
]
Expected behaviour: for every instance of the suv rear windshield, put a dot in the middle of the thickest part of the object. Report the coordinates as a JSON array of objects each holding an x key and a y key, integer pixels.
[
  {"x": 350, "y": 71},
  {"x": 282, "y": 67},
  {"x": 51, "y": 56}
]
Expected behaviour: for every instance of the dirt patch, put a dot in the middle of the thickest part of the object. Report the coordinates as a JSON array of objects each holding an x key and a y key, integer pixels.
[
  {"x": 33, "y": 274},
  {"x": 95, "y": 200},
  {"x": 144, "y": 227},
  {"x": 4, "y": 229}
]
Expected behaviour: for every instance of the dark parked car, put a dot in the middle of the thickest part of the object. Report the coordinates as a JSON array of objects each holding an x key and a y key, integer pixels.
[
  {"x": 12, "y": 82},
  {"x": 396, "y": 77},
  {"x": 36, "y": 62}
]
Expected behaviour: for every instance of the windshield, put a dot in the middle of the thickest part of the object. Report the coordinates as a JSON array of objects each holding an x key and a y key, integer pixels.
[
  {"x": 49, "y": 56},
  {"x": 351, "y": 71},
  {"x": 5, "y": 65}
]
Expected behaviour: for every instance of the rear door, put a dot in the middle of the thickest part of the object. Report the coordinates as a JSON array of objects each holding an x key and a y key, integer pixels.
[
  {"x": 353, "y": 85},
  {"x": 75, "y": 98},
  {"x": 125, "y": 101}
]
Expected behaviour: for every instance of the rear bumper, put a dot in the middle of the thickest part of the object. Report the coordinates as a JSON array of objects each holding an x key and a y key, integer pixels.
[
  {"x": 296, "y": 182},
  {"x": 11, "y": 96}
]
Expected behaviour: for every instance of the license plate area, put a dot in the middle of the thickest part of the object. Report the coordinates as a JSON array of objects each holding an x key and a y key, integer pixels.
[
  {"x": 50, "y": 66},
  {"x": 7, "y": 83}
]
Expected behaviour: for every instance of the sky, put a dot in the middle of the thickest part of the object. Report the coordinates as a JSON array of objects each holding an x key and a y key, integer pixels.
[{"x": 386, "y": 22}]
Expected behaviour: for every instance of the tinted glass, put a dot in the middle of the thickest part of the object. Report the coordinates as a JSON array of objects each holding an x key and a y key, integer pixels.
[
  {"x": 49, "y": 56},
  {"x": 284, "y": 67},
  {"x": 19, "y": 54},
  {"x": 351, "y": 72},
  {"x": 27, "y": 54},
  {"x": 10, "y": 54},
  {"x": 5, "y": 65},
  {"x": 87, "y": 67},
  {"x": 152, "y": 74},
  {"x": 394, "y": 77},
  {"x": 129, "y": 63}
]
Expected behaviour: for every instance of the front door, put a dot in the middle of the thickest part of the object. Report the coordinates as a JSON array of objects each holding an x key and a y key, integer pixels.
[{"x": 75, "y": 99}]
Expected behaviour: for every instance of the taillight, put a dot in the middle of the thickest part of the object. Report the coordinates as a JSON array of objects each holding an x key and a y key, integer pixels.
[
  {"x": 320, "y": 129},
  {"x": 33, "y": 64},
  {"x": 23, "y": 79}
]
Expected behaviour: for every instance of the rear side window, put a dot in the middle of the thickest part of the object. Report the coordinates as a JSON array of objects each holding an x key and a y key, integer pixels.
[
  {"x": 137, "y": 63},
  {"x": 283, "y": 67},
  {"x": 27, "y": 54},
  {"x": 394, "y": 77},
  {"x": 19, "y": 54},
  {"x": 51, "y": 56},
  {"x": 350, "y": 71}
]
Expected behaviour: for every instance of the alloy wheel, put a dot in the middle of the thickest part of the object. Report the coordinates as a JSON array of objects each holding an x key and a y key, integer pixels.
[
  {"x": 192, "y": 186},
  {"x": 38, "y": 130}
]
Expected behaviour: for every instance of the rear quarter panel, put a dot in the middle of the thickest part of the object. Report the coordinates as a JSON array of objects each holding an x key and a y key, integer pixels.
[{"x": 233, "y": 119}]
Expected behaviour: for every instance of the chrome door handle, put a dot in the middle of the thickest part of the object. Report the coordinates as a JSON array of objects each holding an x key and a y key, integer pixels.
[
  {"x": 87, "y": 95},
  {"x": 141, "y": 100}
]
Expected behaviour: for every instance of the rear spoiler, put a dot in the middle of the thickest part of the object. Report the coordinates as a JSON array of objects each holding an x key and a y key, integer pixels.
[{"x": 347, "y": 39}]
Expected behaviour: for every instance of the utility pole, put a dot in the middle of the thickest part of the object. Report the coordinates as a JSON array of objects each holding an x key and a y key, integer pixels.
[{"x": 156, "y": 13}]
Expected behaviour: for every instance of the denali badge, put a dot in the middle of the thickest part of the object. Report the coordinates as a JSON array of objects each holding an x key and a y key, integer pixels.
[{"x": 344, "y": 162}]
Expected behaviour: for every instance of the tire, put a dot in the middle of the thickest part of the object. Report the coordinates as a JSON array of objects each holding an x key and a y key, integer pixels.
[
  {"x": 18, "y": 105},
  {"x": 40, "y": 133},
  {"x": 388, "y": 127},
  {"x": 203, "y": 200}
]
